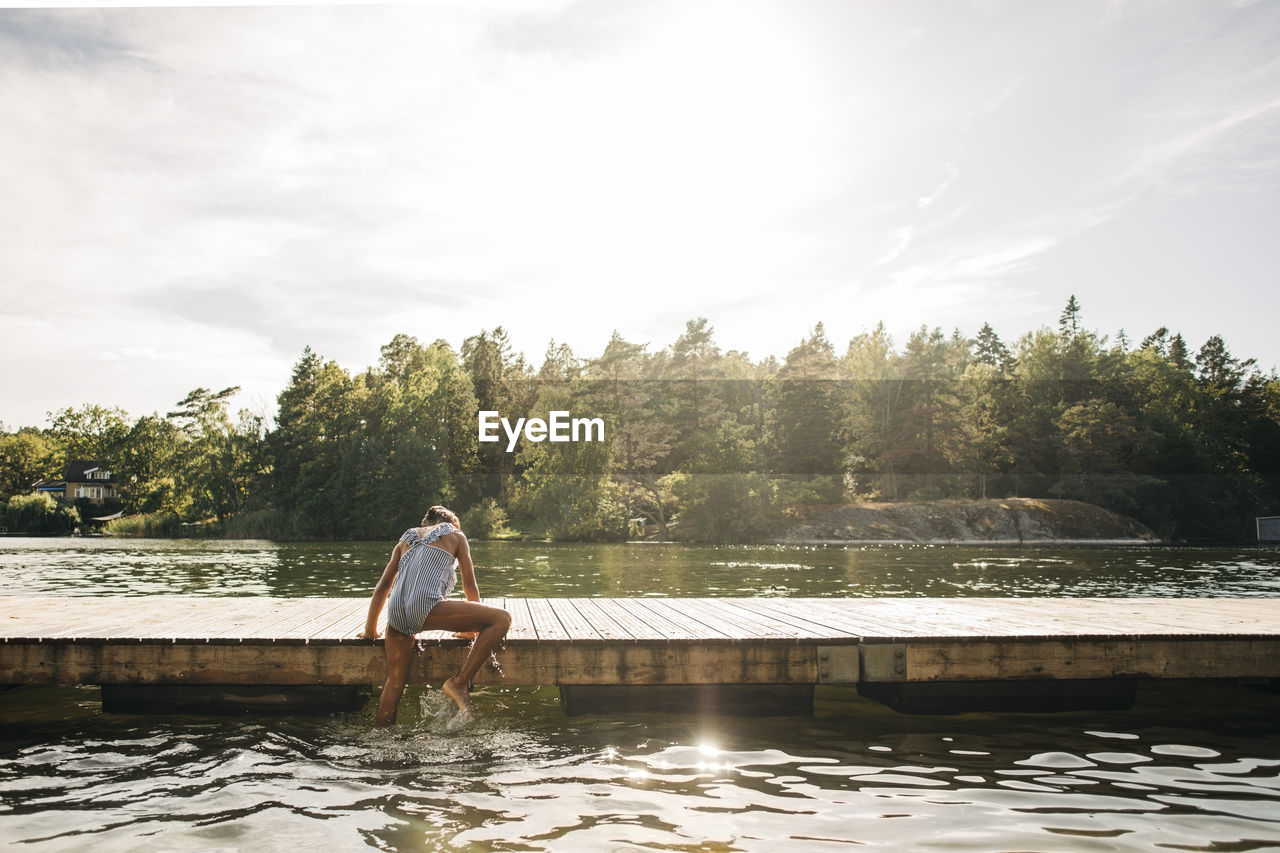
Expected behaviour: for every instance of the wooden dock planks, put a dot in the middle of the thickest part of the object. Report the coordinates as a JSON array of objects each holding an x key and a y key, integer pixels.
[{"x": 651, "y": 640}]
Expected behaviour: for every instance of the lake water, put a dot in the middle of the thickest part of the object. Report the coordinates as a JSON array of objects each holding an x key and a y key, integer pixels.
[{"x": 1194, "y": 766}]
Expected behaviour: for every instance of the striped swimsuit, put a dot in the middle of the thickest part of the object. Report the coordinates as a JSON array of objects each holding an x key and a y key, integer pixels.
[{"x": 425, "y": 575}]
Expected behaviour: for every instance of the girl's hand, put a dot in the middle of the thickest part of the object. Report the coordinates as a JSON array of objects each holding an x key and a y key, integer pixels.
[
  {"x": 465, "y": 635},
  {"x": 364, "y": 635}
]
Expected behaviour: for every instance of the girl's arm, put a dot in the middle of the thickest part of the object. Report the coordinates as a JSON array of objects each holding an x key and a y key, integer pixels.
[
  {"x": 380, "y": 593},
  {"x": 468, "y": 570}
]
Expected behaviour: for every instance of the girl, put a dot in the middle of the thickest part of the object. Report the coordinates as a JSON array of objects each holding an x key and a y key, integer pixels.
[{"x": 419, "y": 577}]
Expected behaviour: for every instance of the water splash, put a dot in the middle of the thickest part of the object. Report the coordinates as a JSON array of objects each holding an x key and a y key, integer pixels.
[{"x": 439, "y": 714}]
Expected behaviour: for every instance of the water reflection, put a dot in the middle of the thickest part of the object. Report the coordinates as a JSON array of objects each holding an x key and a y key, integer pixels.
[
  {"x": 145, "y": 567},
  {"x": 1168, "y": 775}
]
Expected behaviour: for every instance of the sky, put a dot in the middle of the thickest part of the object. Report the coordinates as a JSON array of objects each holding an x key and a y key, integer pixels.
[{"x": 192, "y": 195}]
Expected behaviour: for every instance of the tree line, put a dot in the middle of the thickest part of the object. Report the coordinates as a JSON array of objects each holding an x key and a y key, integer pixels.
[{"x": 701, "y": 444}]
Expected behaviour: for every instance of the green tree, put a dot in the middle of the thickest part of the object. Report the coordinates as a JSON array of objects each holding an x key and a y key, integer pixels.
[
  {"x": 631, "y": 405},
  {"x": 218, "y": 460},
  {"x": 150, "y": 466},
  {"x": 725, "y": 509},
  {"x": 416, "y": 442},
  {"x": 809, "y": 410},
  {"x": 25, "y": 457},
  {"x": 501, "y": 382},
  {"x": 566, "y": 486},
  {"x": 1097, "y": 443},
  {"x": 89, "y": 432},
  {"x": 979, "y": 445},
  {"x": 930, "y": 365},
  {"x": 1069, "y": 319},
  {"x": 315, "y": 421},
  {"x": 40, "y": 513},
  {"x": 988, "y": 349},
  {"x": 873, "y": 405},
  {"x": 691, "y": 403}
]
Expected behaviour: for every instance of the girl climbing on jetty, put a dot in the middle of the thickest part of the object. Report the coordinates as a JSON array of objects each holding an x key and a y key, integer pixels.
[{"x": 419, "y": 577}]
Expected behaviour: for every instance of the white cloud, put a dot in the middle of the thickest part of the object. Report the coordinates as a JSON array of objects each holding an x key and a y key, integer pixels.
[
  {"x": 222, "y": 186},
  {"x": 924, "y": 202},
  {"x": 901, "y": 238}
]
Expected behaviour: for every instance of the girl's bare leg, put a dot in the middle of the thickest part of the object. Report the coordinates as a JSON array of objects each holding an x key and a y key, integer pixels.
[
  {"x": 398, "y": 648},
  {"x": 490, "y": 624}
]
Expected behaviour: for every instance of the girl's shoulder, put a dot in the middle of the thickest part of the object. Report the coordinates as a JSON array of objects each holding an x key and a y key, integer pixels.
[{"x": 438, "y": 531}]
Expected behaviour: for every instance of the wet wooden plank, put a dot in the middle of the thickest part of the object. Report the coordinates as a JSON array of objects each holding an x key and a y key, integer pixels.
[
  {"x": 672, "y": 622},
  {"x": 545, "y": 621},
  {"x": 697, "y": 619},
  {"x": 982, "y": 617},
  {"x": 726, "y": 623},
  {"x": 202, "y": 619},
  {"x": 522, "y": 626},
  {"x": 770, "y": 624},
  {"x": 149, "y": 618},
  {"x": 305, "y": 622},
  {"x": 840, "y": 621},
  {"x": 77, "y": 618},
  {"x": 755, "y": 624},
  {"x": 650, "y": 623},
  {"x": 613, "y": 623},
  {"x": 266, "y": 619},
  {"x": 612, "y": 610},
  {"x": 575, "y": 625},
  {"x": 155, "y": 618},
  {"x": 918, "y": 617},
  {"x": 842, "y": 617},
  {"x": 845, "y": 617},
  {"x": 1084, "y": 617},
  {"x": 776, "y": 609},
  {"x": 345, "y": 621},
  {"x": 1130, "y": 616},
  {"x": 1241, "y": 615}
]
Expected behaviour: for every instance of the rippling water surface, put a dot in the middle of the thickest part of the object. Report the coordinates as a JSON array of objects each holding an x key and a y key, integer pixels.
[
  {"x": 201, "y": 567},
  {"x": 1194, "y": 766}
]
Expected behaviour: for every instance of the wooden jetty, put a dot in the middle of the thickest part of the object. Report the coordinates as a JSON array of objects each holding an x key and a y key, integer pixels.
[{"x": 594, "y": 642}]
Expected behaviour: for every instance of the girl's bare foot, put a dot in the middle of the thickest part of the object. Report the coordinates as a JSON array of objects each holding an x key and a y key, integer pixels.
[{"x": 457, "y": 691}]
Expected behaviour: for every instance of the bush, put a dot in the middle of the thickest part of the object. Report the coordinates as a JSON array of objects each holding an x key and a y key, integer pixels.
[
  {"x": 926, "y": 494},
  {"x": 486, "y": 520},
  {"x": 258, "y": 524},
  {"x": 793, "y": 497},
  {"x": 572, "y": 509},
  {"x": 40, "y": 513},
  {"x": 725, "y": 509},
  {"x": 146, "y": 525}
]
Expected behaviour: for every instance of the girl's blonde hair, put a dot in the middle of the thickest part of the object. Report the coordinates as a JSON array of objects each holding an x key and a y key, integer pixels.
[{"x": 437, "y": 514}]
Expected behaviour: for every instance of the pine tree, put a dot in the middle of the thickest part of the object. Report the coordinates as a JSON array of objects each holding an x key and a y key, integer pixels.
[
  {"x": 1069, "y": 320},
  {"x": 989, "y": 349}
]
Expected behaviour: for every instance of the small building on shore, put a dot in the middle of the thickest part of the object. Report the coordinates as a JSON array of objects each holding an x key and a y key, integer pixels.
[{"x": 86, "y": 479}]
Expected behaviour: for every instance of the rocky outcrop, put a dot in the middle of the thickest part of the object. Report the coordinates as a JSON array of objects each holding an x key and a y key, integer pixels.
[{"x": 1025, "y": 520}]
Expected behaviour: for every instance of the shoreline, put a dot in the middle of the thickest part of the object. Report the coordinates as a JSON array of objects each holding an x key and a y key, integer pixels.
[{"x": 981, "y": 542}]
